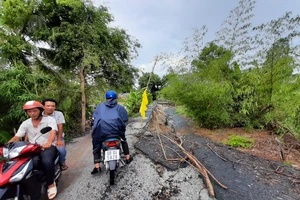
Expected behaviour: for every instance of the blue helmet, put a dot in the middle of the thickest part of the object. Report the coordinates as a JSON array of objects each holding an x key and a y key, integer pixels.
[{"x": 111, "y": 94}]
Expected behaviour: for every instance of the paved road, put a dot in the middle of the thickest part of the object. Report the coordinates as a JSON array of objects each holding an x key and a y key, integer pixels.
[
  {"x": 142, "y": 179},
  {"x": 150, "y": 177}
]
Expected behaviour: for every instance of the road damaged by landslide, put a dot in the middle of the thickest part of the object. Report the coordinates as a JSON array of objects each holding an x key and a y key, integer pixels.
[
  {"x": 159, "y": 170},
  {"x": 246, "y": 176},
  {"x": 142, "y": 179}
]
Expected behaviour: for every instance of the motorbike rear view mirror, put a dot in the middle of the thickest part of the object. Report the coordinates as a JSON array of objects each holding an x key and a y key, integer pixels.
[{"x": 46, "y": 129}]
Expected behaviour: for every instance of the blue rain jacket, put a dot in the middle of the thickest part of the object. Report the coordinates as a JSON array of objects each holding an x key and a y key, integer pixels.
[{"x": 109, "y": 118}]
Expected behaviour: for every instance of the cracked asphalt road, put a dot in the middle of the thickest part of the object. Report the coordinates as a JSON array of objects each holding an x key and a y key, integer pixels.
[
  {"x": 142, "y": 179},
  {"x": 150, "y": 177}
]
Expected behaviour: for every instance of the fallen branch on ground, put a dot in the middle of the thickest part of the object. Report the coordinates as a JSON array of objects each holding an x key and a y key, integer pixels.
[
  {"x": 278, "y": 171},
  {"x": 216, "y": 152},
  {"x": 165, "y": 155},
  {"x": 200, "y": 168}
]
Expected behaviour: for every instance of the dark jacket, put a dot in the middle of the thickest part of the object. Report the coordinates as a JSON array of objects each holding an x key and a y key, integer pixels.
[{"x": 110, "y": 118}]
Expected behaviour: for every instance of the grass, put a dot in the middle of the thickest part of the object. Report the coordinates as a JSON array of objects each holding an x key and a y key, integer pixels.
[
  {"x": 287, "y": 163},
  {"x": 181, "y": 110},
  {"x": 239, "y": 141}
]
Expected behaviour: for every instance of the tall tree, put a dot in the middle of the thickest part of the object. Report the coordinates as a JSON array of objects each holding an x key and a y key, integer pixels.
[
  {"x": 269, "y": 34},
  {"x": 277, "y": 68},
  {"x": 213, "y": 63},
  {"x": 234, "y": 34},
  {"x": 69, "y": 40},
  {"x": 82, "y": 42}
]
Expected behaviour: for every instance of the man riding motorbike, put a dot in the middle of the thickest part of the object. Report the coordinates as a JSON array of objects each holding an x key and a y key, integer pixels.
[
  {"x": 31, "y": 127},
  {"x": 109, "y": 118}
]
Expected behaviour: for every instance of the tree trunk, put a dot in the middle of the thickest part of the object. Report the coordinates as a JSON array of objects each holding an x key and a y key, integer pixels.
[{"x": 83, "y": 100}]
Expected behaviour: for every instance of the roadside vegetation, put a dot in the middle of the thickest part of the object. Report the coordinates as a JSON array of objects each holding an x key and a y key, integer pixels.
[
  {"x": 239, "y": 141},
  {"x": 66, "y": 50},
  {"x": 248, "y": 76},
  {"x": 227, "y": 87}
]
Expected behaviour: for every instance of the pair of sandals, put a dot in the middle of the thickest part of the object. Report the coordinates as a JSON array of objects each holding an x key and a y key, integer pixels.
[{"x": 52, "y": 192}]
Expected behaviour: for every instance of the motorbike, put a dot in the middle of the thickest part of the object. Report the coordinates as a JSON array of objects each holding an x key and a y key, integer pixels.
[
  {"x": 21, "y": 173},
  {"x": 112, "y": 151}
]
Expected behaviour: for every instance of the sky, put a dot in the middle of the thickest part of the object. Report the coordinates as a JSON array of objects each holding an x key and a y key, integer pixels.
[{"x": 163, "y": 25}]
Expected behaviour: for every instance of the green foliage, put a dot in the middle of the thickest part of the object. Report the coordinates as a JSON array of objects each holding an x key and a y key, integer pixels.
[
  {"x": 80, "y": 37},
  {"x": 239, "y": 141},
  {"x": 134, "y": 100},
  {"x": 18, "y": 85},
  {"x": 218, "y": 91},
  {"x": 204, "y": 91},
  {"x": 80, "y": 40},
  {"x": 288, "y": 163},
  {"x": 181, "y": 110},
  {"x": 4, "y": 137},
  {"x": 70, "y": 3},
  {"x": 205, "y": 101},
  {"x": 155, "y": 84}
]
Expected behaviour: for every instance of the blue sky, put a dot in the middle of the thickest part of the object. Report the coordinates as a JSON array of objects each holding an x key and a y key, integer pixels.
[{"x": 163, "y": 25}]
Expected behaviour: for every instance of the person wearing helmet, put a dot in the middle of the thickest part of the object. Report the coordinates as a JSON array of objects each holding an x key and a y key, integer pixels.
[
  {"x": 109, "y": 118},
  {"x": 31, "y": 127}
]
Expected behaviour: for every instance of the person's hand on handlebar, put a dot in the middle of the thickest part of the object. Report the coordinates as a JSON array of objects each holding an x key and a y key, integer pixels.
[{"x": 47, "y": 145}]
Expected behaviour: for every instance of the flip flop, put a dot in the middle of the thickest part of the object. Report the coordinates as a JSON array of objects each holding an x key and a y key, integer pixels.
[
  {"x": 52, "y": 192},
  {"x": 64, "y": 167}
]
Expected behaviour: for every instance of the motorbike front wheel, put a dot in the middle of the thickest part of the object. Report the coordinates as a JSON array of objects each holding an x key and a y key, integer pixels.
[{"x": 112, "y": 177}]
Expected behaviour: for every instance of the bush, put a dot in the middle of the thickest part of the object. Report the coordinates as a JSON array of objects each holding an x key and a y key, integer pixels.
[
  {"x": 4, "y": 137},
  {"x": 239, "y": 141}
]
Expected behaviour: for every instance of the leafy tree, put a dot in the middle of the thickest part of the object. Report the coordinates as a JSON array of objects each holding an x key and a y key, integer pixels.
[
  {"x": 278, "y": 85},
  {"x": 20, "y": 80},
  {"x": 277, "y": 68},
  {"x": 82, "y": 42},
  {"x": 155, "y": 83},
  {"x": 213, "y": 63},
  {"x": 25, "y": 75},
  {"x": 278, "y": 56},
  {"x": 78, "y": 48},
  {"x": 285, "y": 28}
]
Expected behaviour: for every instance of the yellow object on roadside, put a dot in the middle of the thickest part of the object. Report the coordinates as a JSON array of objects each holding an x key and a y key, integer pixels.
[{"x": 144, "y": 104}]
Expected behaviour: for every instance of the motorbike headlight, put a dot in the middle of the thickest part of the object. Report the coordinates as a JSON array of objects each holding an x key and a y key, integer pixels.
[
  {"x": 5, "y": 152},
  {"x": 15, "y": 152},
  {"x": 20, "y": 174}
]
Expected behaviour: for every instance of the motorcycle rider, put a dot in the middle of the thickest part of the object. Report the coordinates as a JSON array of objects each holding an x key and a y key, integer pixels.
[
  {"x": 50, "y": 110},
  {"x": 109, "y": 118},
  {"x": 31, "y": 127}
]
